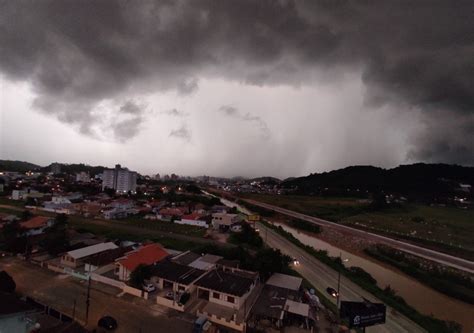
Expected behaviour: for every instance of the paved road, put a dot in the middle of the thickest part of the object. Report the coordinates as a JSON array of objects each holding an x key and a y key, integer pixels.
[
  {"x": 321, "y": 277},
  {"x": 60, "y": 291},
  {"x": 439, "y": 257}
]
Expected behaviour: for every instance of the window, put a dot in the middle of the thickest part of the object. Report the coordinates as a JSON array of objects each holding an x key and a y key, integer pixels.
[
  {"x": 230, "y": 299},
  {"x": 216, "y": 295}
]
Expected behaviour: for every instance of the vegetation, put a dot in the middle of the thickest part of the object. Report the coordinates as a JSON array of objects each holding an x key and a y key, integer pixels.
[
  {"x": 304, "y": 225},
  {"x": 446, "y": 229},
  {"x": 367, "y": 282},
  {"x": 266, "y": 261},
  {"x": 18, "y": 166},
  {"x": 139, "y": 275},
  {"x": 56, "y": 239},
  {"x": 449, "y": 281},
  {"x": 418, "y": 182},
  {"x": 247, "y": 236},
  {"x": 7, "y": 284}
]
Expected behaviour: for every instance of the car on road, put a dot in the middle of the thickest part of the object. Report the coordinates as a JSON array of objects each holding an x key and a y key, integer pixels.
[
  {"x": 149, "y": 287},
  {"x": 331, "y": 291},
  {"x": 296, "y": 262},
  {"x": 108, "y": 322}
]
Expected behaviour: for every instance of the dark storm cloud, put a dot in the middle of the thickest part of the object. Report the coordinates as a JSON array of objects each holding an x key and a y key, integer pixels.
[
  {"x": 258, "y": 121},
  {"x": 128, "y": 120},
  {"x": 182, "y": 133},
  {"x": 78, "y": 53}
]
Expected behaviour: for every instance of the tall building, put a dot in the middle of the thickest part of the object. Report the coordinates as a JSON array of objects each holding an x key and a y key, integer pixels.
[{"x": 120, "y": 179}]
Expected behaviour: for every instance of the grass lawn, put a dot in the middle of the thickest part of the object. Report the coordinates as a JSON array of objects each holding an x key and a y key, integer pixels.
[
  {"x": 448, "y": 227},
  {"x": 6, "y": 201}
]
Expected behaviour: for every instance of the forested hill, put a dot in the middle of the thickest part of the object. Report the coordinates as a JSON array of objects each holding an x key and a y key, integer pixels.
[
  {"x": 405, "y": 179},
  {"x": 17, "y": 166}
]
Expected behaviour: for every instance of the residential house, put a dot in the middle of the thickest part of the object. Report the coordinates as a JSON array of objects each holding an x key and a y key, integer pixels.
[
  {"x": 224, "y": 221},
  {"x": 36, "y": 225},
  {"x": 194, "y": 219},
  {"x": 170, "y": 213},
  {"x": 169, "y": 275},
  {"x": 146, "y": 255},
  {"x": 224, "y": 288},
  {"x": 77, "y": 257},
  {"x": 280, "y": 303},
  {"x": 105, "y": 261}
]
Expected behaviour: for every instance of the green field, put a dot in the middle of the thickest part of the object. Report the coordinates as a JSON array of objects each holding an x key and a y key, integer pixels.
[{"x": 446, "y": 228}]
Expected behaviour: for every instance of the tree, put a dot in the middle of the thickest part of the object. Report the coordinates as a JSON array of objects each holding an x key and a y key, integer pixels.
[
  {"x": 139, "y": 275},
  {"x": 26, "y": 215},
  {"x": 13, "y": 236},
  {"x": 56, "y": 239},
  {"x": 7, "y": 284}
]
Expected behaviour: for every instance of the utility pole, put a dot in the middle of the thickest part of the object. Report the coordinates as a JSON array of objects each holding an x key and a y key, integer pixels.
[
  {"x": 339, "y": 282},
  {"x": 88, "y": 299},
  {"x": 74, "y": 310}
]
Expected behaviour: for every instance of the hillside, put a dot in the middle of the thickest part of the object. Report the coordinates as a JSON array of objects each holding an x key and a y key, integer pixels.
[
  {"x": 415, "y": 179},
  {"x": 18, "y": 166}
]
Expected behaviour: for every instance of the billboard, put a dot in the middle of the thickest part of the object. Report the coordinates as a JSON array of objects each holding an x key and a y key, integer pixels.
[
  {"x": 363, "y": 314},
  {"x": 253, "y": 218}
]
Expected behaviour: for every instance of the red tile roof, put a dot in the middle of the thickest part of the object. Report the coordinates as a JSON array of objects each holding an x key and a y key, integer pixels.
[
  {"x": 35, "y": 222},
  {"x": 171, "y": 212},
  {"x": 147, "y": 255},
  {"x": 193, "y": 216}
]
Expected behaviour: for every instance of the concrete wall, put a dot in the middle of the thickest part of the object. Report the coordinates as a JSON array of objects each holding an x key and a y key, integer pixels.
[
  {"x": 222, "y": 300},
  {"x": 222, "y": 321},
  {"x": 169, "y": 303},
  {"x": 106, "y": 280}
]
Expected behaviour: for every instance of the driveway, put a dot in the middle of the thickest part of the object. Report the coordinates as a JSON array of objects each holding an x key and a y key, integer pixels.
[{"x": 62, "y": 291}]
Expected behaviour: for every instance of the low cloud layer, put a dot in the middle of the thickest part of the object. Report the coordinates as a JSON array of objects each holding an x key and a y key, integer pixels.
[{"x": 82, "y": 58}]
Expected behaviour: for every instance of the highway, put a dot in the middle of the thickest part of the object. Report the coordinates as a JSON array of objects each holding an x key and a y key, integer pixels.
[
  {"x": 442, "y": 258},
  {"x": 321, "y": 277}
]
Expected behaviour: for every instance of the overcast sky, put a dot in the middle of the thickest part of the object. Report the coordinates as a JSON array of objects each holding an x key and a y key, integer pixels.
[{"x": 230, "y": 88}]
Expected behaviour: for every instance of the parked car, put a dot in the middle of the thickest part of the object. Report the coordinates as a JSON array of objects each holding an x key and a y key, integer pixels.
[
  {"x": 149, "y": 287},
  {"x": 108, "y": 322},
  {"x": 331, "y": 291},
  {"x": 169, "y": 295}
]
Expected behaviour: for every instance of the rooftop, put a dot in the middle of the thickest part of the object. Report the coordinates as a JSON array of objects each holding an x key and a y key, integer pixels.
[
  {"x": 171, "y": 271},
  {"x": 186, "y": 258},
  {"x": 90, "y": 250},
  {"x": 225, "y": 282},
  {"x": 146, "y": 255},
  {"x": 35, "y": 222},
  {"x": 285, "y": 281}
]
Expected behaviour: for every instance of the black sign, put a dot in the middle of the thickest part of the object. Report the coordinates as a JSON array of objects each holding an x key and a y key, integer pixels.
[{"x": 363, "y": 314}]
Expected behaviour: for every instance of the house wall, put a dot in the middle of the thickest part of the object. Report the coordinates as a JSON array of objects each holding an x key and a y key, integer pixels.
[
  {"x": 222, "y": 299},
  {"x": 123, "y": 273},
  {"x": 197, "y": 223},
  {"x": 68, "y": 261}
]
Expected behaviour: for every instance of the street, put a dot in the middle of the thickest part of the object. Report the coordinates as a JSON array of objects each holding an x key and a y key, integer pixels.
[
  {"x": 321, "y": 277},
  {"x": 439, "y": 257},
  {"x": 61, "y": 291}
]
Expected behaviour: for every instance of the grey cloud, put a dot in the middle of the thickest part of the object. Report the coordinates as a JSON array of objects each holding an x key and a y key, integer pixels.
[
  {"x": 130, "y": 107},
  {"x": 260, "y": 123},
  {"x": 182, "y": 133},
  {"x": 127, "y": 129},
  {"x": 175, "y": 113},
  {"x": 79, "y": 53}
]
